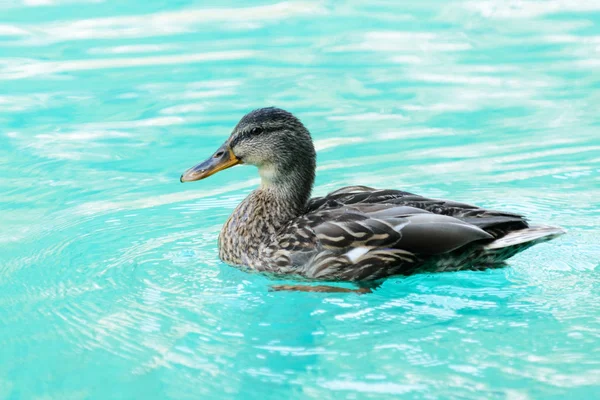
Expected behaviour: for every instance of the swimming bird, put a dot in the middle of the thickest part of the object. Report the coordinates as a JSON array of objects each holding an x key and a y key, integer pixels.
[{"x": 357, "y": 233}]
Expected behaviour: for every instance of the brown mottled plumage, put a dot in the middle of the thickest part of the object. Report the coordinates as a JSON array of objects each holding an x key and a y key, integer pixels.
[{"x": 356, "y": 233}]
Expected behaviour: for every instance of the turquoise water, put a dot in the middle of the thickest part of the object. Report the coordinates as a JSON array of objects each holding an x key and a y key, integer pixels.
[{"x": 110, "y": 285}]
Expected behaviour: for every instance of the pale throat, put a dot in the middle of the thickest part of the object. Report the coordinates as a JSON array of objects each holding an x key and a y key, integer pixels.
[
  {"x": 283, "y": 187},
  {"x": 281, "y": 192},
  {"x": 268, "y": 175}
]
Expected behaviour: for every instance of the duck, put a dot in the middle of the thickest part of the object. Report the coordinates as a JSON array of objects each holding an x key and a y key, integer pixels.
[{"x": 355, "y": 234}]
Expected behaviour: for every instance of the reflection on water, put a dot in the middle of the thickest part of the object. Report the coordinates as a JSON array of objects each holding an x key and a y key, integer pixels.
[{"x": 108, "y": 267}]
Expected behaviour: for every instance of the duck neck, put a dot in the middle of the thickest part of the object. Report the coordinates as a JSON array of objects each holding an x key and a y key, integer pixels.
[{"x": 287, "y": 188}]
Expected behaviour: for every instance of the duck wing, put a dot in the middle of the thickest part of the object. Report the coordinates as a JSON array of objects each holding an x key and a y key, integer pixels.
[
  {"x": 496, "y": 223},
  {"x": 359, "y": 233},
  {"x": 364, "y": 242}
]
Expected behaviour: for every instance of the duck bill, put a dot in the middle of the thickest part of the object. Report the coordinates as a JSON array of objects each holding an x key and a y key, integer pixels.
[{"x": 222, "y": 159}]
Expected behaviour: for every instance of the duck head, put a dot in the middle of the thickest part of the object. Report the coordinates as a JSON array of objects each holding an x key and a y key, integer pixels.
[{"x": 274, "y": 141}]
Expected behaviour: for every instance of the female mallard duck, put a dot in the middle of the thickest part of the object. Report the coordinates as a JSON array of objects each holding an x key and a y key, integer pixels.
[{"x": 356, "y": 233}]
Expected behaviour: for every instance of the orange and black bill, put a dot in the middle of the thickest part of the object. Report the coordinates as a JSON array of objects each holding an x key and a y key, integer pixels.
[{"x": 222, "y": 159}]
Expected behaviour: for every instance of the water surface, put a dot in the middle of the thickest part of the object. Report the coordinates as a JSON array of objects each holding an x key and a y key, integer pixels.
[{"x": 110, "y": 285}]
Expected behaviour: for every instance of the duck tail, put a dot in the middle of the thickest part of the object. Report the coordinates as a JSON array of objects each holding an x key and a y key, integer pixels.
[{"x": 519, "y": 240}]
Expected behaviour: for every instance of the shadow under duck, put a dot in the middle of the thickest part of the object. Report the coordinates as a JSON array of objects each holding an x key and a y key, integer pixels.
[{"x": 357, "y": 233}]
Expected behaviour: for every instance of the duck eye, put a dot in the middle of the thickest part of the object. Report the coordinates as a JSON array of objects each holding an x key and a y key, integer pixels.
[{"x": 256, "y": 130}]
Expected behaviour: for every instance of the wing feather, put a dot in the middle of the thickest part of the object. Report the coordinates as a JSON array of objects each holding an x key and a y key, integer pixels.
[
  {"x": 360, "y": 233},
  {"x": 389, "y": 203}
]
